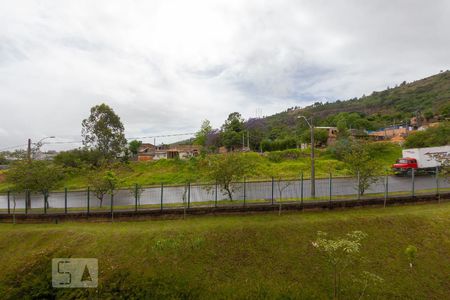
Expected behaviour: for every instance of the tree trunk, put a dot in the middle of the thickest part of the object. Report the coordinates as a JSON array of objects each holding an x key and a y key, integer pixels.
[{"x": 230, "y": 195}]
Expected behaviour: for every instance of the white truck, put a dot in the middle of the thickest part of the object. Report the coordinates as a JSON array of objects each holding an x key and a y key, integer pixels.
[{"x": 422, "y": 160}]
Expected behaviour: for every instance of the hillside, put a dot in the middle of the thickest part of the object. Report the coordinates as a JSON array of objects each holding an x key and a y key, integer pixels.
[
  {"x": 430, "y": 94},
  {"x": 427, "y": 98},
  {"x": 262, "y": 256}
]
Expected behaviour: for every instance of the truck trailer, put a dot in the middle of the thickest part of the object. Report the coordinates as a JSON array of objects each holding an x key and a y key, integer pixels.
[{"x": 421, "y": 160}]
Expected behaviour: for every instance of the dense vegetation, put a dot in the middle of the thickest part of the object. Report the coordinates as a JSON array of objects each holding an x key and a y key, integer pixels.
[
  {"x": 235, "y": 257},
  {"x": 434, "y": 136}
]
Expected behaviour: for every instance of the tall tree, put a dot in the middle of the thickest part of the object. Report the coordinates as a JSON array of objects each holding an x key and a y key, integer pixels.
[
  {"x": 104, "y": 131},
  {"x": 202, "y": 135},
  {"x": 232, "y": 131}
]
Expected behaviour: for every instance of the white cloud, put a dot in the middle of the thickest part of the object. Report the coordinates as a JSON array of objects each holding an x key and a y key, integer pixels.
[{"x": 166, "y": 65}]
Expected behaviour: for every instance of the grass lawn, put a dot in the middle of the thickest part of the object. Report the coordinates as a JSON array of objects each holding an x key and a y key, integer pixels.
[{"x": 233, "y": 257}]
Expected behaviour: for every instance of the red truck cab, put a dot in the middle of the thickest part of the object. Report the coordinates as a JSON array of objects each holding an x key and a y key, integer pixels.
[{"x": 404, "y": 164}]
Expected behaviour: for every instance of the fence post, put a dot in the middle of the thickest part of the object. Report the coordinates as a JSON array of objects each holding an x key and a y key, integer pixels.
[
  {"x": 27, "y": 196},
  {"x": 135, "y": 197},
  {"x": 112, "y": 205},
  {"x": 88, "y": 199},
  {"x": 245, "y": 185},
  {"x": 162, "y": 195},
  {"x": 301, "y": 190},
  {"x": 9, "y": 204},
  {"x": 330, "y": 185},
  {"x": 386, "y": 188},
  {"x": 273, "y": 186},
  {"x": 437, "y": 185},
  {"x": 189, "y": 195},
  {"x": 65, "y": 200},
  {"x": 412, "y": 183},
  {"x": 359, "y": 186},
  {"x": 215, "y": 200}
]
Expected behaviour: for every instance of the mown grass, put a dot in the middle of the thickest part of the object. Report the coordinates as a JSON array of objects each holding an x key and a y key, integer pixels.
[{"x": 233, "y": 257}]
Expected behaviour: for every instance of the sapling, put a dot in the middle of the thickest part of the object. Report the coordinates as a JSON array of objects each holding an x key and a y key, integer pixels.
[{"x": 411, "y": 252}]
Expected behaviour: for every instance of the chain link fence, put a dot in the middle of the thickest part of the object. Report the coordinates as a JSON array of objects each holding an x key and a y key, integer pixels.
[{"x": 244, "y": 193}]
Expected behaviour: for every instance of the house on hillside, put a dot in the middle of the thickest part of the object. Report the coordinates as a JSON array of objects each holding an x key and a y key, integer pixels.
[
  {"x": 393, "y": 133},
  {"x": 179, "y": 151},
  {"x": 151, "y": 152},
  {"x": 146, "y": 152},
  {"x": 332, "y": 134}
]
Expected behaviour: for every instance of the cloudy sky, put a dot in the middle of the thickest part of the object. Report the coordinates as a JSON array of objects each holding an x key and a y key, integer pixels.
[{"x": 166, "y": 65}]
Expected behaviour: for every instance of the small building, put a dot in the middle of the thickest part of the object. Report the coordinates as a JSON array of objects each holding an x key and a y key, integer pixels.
[
  {"x": 49, "y": 155},
  {"x": 146, "y": 152},
  {"x": 398, "y": 133},
  {"x": 332, "y": 134},
  {"x": 151, "y": 152}
]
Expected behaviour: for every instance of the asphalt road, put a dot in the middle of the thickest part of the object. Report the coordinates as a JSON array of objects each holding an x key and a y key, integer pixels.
[{"x": 253, "y": 191}]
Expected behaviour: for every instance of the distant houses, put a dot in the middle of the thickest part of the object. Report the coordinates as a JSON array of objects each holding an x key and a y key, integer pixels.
[
  {"x": 148, "y": 152},
  {"x": 398, "y": 133}
]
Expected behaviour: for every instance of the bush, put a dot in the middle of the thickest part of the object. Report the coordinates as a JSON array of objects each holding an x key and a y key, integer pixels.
[
  {"x": 278, "y": 156},
  {"x": 339, "y": 148},
  {"x": 278, "y": 144},
  {"x": 79, "y": 158}
]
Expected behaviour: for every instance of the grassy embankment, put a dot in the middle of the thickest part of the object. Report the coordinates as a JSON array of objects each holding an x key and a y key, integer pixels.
[
  {"x": 278, "y": 164},
  {"x": 240, "y": 257}
]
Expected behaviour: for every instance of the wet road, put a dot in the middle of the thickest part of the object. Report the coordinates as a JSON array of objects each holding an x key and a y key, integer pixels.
[{"x": 252, "y": 191}]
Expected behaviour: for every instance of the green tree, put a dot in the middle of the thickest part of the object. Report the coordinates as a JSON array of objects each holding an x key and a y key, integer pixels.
[
  {"x": 133, "y": 146},
  {"x": 361, "y": 164},
  {"x": 232, "y": 131},
  {"x": 102, "y": 184},
  {"x": 3, "y": 160},
  {"x": 445, "y": 111},
  {"x": 35, "y": 176},
  {"x": 320, "y": 136},
  {"x": 202, "y": 134},
  {"x": 137, "y": 191},
  {"x": 104, "y": 131},
  {"x": 225, "y": 170}
]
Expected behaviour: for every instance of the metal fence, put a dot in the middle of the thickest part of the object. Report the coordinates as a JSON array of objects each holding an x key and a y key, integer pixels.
[{"x": 245, "y": 193}]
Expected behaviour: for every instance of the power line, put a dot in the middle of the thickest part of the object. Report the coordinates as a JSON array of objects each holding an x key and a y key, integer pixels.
[
  {"x": 79, "y": 142},
  {"x": 159, "y": 136},
  {"x": 12, "y": 147}
]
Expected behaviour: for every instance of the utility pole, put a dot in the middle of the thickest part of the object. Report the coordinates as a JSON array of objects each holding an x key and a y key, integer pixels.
[
  {"x": 313, "y": 175},
  {"x": 29, "y": 150},
  {"x": 248, "y": 140},
  {"x": 28, "y": 197}
]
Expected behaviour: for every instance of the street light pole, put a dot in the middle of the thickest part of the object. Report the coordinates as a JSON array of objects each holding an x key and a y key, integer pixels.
[
  {"x": 313, "y": 173},
  {"x": 38, "y": 144}
]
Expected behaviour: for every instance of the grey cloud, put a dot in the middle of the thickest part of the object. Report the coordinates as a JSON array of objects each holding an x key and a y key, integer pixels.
[{"x": 164, "y": 66}]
